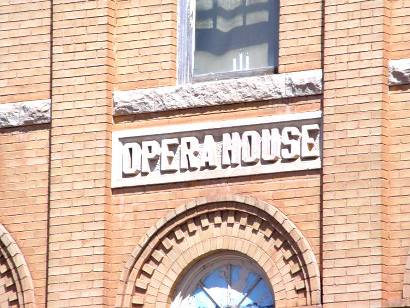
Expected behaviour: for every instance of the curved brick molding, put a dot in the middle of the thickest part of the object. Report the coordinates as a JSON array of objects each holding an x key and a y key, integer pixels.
[
  {"x": 399, "y": 72},
  {"x": 25, "y": 113},
  {"x": 238, "y": 224},
  {"x": 221, "y": 92},
  {"x": 16, "y": 286}
]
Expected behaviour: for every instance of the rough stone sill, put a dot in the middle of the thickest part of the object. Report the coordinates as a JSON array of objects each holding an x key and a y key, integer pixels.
[
  {"x": 399, "y": 72},
  {"x": 214, "y": 93},
  {"x": 25, "y": 113}
]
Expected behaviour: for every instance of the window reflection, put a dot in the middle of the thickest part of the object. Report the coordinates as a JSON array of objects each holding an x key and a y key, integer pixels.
[{"x": 235, "y": 35}]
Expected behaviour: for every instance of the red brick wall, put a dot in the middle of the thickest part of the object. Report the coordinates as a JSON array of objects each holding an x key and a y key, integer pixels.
[
  {"x": 24, "y": 191},
  {"x": 101, "y": 45},
  {"x": 400, "y": 35},
  {"x": 300, "y": 32},
  {"x": 24, "y": 50},
  {"x": 146, "y": 43},
  {"x": 353, "y": 163},
  {"x": 399, "y": 171},
  {"x": 80, "y": 147}
]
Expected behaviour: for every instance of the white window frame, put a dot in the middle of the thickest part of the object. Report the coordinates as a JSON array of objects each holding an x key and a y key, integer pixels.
[{"x": 186, "y": 49}]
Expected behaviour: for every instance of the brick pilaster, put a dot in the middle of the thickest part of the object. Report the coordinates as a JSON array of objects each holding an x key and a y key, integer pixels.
[
  {"x": 82, "y": 68},
  {"x": 355, "y": 91}
]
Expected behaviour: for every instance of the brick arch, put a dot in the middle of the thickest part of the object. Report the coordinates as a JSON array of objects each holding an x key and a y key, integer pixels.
[
  {"x": 16, "y": 285},
  {"x": 207, "y": 225},
  {"x": 406, "y": 280}
]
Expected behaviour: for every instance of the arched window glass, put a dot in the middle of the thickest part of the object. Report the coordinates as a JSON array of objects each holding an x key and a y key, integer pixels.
[{"x": 224, "y": 281}]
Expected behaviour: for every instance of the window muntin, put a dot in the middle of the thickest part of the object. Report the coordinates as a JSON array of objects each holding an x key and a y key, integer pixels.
[{"x": 222, "y": 281}]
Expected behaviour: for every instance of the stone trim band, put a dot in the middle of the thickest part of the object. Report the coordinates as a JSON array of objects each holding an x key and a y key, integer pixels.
[
  {"x": 221, "y": 92},
  {"x": 25, "y": 113},
  {"x": 399, "y": 72},
  {"x": 214, "y": 93}
]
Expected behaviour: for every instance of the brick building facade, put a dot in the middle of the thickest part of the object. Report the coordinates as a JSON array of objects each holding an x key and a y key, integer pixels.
[{"x": 77, "y": 74}]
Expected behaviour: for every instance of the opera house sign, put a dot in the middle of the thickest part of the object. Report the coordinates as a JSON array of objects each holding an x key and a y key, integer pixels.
[{"x": 210, "y": 150}]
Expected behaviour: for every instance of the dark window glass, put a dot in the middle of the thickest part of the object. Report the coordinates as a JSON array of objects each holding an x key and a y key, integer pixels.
[{"x": 235, "y": 35}]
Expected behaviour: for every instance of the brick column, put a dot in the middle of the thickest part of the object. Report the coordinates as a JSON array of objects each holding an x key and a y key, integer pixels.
[
  {"x": 355, "y": 98},
  {"x": 82, "y": 71}
]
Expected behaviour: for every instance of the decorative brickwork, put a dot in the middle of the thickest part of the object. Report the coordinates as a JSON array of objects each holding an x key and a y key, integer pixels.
[
  {"x": 207, "y": 225},
  {"x": 16, "y": 287}
]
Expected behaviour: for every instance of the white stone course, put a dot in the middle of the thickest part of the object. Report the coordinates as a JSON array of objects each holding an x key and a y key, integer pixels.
[
  {"x": 214, "y": 93},
  {"x": 399, "y": 72},
  {"x": 25, "y": 113}
]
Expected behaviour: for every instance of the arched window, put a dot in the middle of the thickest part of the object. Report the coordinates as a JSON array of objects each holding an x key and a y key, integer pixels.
[
  {"x": 226, "y": 38},
  {"x": 224, "y": 280}
]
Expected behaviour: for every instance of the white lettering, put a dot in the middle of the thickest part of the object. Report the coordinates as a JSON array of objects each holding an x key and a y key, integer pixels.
[
  {"x": 208, "y": 152},
  {"x": 131, "y": 158},
  {"x": 270, "y": 144},
  {"x": 291, "y": 141},
  {"x": 216, "y": 150},
  {"x": 150, "y": 152},
  {"x": 231, "y": 149},
  {"x": 189, "y": 153},
  {"x": 168, "y": 161},
  {"x": 251, "y": 147},
  {"x": 310, "y": 141}
]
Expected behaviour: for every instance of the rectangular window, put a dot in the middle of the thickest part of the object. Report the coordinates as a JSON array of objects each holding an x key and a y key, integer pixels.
[{"x": 227, "y": 38}]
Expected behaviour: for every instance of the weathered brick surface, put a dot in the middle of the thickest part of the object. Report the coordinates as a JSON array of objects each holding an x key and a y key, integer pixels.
[
  {"x": 23, "y": 197},
  {"x": 24, "y": 50}
]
